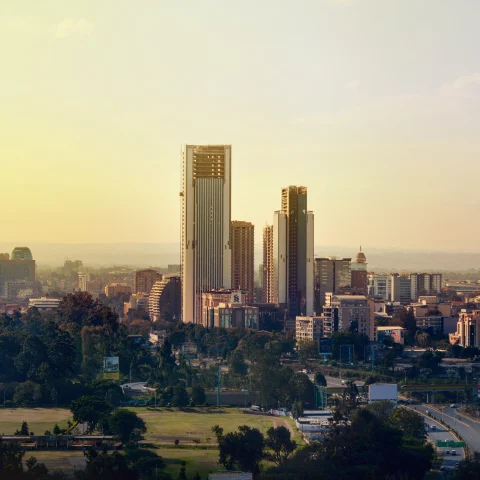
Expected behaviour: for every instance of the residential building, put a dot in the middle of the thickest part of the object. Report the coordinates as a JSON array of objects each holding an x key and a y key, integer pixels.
[
  {"x": 115, "y": 289},
  {"x": 19, "y": 266},
  {"x": 71, "y": 267},
  {"x": 206, "y": 224},
  {"x": 468, "y": 329},
  {"x": 425, "y": 284},
  {"x": 290, "y": 266},
  {"x": 267, "y": 267},
  {"x": 400, "y": 289},
  {"x": 243, "y": 266},
  {"x": 145, "y": 279},
  {"x": 227, "y": 315},
  {"x": 430, "y": 323},
  {"x": 309, "y": 328},
  {"x": 331, "y": 275},
  {"x": 164, "y": 301},
  {"x": 359, "y": 274},
  {"x": 345, "y": 309},
  {"x": 44, "y": 303}
]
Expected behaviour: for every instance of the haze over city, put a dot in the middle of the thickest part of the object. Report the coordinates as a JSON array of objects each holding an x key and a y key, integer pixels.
[{"x": 373, "y": 105}]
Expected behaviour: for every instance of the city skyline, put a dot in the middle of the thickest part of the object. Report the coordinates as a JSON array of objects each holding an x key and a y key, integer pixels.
[{"x": 340, "y": 106}]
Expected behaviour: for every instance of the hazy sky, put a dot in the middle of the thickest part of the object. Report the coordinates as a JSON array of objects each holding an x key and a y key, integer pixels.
[{"x": 374, "y": 105}]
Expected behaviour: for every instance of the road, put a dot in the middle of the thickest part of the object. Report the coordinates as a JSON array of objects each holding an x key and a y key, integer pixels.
[
  {"x": 442, "y": 434},
  {"x": 136, "y": 386},
  {"x": 337, "y": 382},
  {"x": 467, "y": 428}
]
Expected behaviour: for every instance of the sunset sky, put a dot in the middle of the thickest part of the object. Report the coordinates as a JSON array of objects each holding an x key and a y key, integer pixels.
[{"x": 374, "y": 105}]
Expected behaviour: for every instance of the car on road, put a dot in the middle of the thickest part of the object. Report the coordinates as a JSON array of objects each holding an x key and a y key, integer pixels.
[
  {"x": 343, "y": 382},
  {"x": 433, "y": 427},
  {"x": 457, "y": 465},
  {"x": 244, "y": 390},
  {"x": 447, "y": 452},
  {"x": 427, "y": 412},
  {"x": 454, "y": 452},
  {"x": 453, "y": 405}
]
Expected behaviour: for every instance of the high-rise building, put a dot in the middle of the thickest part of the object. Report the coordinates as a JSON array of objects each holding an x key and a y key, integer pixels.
[
  {"x": 300, "y": 264},
  {"x": 83, "y": 279},
  {"x": 379, "y": 285},
  {"x": 243, "y": 265},
  {"x": 164, "y": 301},
  {"x": 206, "y": 222},
  {"x": 331, "y": 275},
  {"x": 267, "y": 267},
  {"x": 17, "y": 267},
  {"x": 359, "y": 274},
  {"x": 400, "y": 289},
  {"x": 288, "y": 255},
  {"x": 468, "y": 329},
  {"x": 145, "y": 279},
  {"x": 425, "y": 284},
  {"x": 115, "y": 289}
]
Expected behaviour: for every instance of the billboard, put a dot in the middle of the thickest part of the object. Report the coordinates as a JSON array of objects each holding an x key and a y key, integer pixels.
[
  {"x": 236, "y": 298},
  {"x": 111, "y": 368},
  {"x": 325, "y": 346}
]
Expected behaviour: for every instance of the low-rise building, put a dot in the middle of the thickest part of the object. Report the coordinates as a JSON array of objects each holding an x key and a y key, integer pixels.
[
  {"x": 45, "y": 303},
  {"x": 115, "y": 289},
  {"x": 397, "y": 334},
  {"x": 309, "y": 328}
]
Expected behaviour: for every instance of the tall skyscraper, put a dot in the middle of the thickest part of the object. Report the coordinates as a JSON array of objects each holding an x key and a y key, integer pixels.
[
  {"x": 288, "y": 254},
  {"x": 206, "y": 224},
  {"x": 19, "y": 266},
  {"x": 331, "y": 275},
  {"x": 243, "y": 269},
  {"x": 267, "y": 267}
]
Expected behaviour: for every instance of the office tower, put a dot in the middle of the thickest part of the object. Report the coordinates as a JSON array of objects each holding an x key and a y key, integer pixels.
[
  {"x": 206, "y": 217},
  {"x": 83, "y": 280},
  {"x": 288, "y": 254},
  {"x": 379, "y": 285},
  {"x": 165, "y": 300},
  {"x": 331, "y": 275},
  {"x": 17, "y": 267},
  {"x": 401, "y": 290},
  {"x": 145, "y": 279},
  {"x": 267, "y": 267},
  {"x": 72, "y": 267},
  {"x": 359, "y": 274},
  {"x": 243, "y": 274}
]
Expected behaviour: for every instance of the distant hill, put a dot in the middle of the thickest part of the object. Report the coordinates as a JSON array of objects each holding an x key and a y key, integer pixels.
[{"x": 162, "y": 254}]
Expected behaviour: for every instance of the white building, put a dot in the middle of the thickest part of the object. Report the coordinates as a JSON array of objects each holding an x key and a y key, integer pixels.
[
  {"x": 379, "y": 285},
  {"x": 206, "y": 223},
  {"x": 44, "y": 303}
]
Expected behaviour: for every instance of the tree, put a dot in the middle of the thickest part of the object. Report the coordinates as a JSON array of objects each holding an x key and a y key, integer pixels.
[
  {"x": 125, "y": 423},
  {"x": 280, "y": 444},
  {"x": 24, "y": 430},
  {"x": 56, "y": 430},
  {"x": 237, "y": 363},
  {"x": 297, "y": 409},
  {"x": 409, "y": 422},
  {"x": 320, "y": 379},
  {"x": 469, "y": 469},
  {"x": 241, "y": 450},
  {"x": 198, "y": 395},
  {"x": 106, "y": 467},
  {"x": 180, "y": 396},
  {"x": 183, "y": 472},
  {"x": 90, "y": 409}
]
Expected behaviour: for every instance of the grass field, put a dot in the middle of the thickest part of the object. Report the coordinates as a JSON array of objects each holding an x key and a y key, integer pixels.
[
  {"x": 38, "y": 419},
  {"x": 192, "y": 427},
  {"x": 195, "y": 425}
]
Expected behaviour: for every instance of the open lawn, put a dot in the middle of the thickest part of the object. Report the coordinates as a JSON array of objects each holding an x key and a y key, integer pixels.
[
  {"x": 197, "y": 460},
  {"x": 60, "y": 460},
  {"x": 194, "y": 425},
  {"x": 38, "y": 419}
]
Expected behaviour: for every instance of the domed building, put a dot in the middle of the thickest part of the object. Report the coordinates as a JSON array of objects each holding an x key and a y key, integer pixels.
[
  {"x": 359, "y": 274},
  {"x": 21, "y": 253}
]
